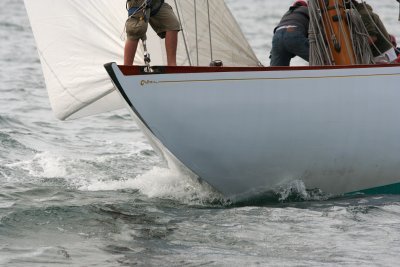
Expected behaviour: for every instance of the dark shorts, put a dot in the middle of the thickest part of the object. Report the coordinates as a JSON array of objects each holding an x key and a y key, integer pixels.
[{"x": 165, "y": 20}]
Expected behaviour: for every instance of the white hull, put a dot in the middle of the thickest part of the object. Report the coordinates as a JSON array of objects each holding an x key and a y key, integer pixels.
[{"x": 249, "y": 132}]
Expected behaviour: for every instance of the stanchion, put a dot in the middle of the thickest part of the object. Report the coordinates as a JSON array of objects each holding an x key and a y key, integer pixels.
[{"x": 399, "y": 8}]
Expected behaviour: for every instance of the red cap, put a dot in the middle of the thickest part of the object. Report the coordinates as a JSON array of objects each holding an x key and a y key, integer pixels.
[{"x": 300, "y": 3}]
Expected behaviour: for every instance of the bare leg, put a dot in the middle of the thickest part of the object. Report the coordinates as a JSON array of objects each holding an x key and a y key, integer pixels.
[
  {"x": 171, "y": 43},
  {"x": 130, "y": 51}
]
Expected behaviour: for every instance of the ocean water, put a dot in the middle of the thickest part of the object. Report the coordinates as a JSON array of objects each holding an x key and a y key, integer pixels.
[{"x": 92, "y": 192}]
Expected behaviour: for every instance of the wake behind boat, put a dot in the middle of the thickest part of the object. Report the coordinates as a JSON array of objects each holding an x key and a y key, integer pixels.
[{"x": 243, "y": 129}]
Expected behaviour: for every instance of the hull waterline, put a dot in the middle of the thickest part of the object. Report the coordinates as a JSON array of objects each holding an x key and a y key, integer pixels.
[{"x": 247, "y": 132}]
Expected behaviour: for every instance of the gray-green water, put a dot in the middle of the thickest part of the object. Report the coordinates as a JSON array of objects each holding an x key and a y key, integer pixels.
[{"x": 92, "y": 192}]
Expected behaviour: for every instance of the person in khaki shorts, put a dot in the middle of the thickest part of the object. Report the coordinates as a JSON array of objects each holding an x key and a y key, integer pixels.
[{"x": 161, "y": 18}]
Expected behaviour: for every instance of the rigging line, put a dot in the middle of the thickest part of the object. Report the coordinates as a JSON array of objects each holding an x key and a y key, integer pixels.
[
  {"x": 327, "y": 54},
  {"x": 399, "y": 10},
  {"x": 209, "y": 30},
  {"x": 315, "y": 55},
  {"x": 343, "y": 32},
  {"x": 376, "y": 26},
  {"x": 196, "y": 31},
  {"x": 325, "y": 24},
  {"x": 183, "y": 33},
  {"x": 359, "y": 36},
  {"x": 323, "y": 27},
  {"x": 314, "y": 33},
  {"x": 328, "y": 51},
  {"x": 320, "y": 52},
  {"x": 329, "y": 22},
  {"x": 352, "y": 31},
  {"x": 142, "y": 7},
  {"x": 372, "y": 20},
  {"x": 339, "y": 18}
]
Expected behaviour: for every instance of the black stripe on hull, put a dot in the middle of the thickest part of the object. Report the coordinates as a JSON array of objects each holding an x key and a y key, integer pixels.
[{"x": 117, "y": 84}]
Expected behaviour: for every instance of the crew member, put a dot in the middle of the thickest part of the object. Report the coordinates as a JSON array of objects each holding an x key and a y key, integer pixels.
[
  {"x": 379, "y": 38},
  {"x": 161, "y": 18},
  {"x": 291, "y": 36}
]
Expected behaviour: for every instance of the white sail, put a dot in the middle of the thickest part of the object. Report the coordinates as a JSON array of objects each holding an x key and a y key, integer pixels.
[
  {"x": 218, "y": 35},
  {"x": 75, "y": 38}
]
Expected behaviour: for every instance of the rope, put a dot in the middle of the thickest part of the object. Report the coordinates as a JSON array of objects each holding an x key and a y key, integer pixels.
[
  {"x": 320, "y": 51},
  {"x": 399, "y": 8},
  {"x": 209, "y": 30},
  {"x": 377, "y": 28},
  {"x": 359, "y": 36},
  {"x": 183, "y": 34},
  {"x": 196, "y": 31},
  {"x": 343, "y": 30},
  {"x": 142, "y": 7}
]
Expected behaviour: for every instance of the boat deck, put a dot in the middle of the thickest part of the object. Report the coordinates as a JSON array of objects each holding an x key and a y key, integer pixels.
[{"x": 141, "y": 70}]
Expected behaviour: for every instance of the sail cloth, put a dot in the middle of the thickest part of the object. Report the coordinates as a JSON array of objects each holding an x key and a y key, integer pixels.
[
  {"x": 75, "y": 38},
  {"x": 221, "y": 39}
]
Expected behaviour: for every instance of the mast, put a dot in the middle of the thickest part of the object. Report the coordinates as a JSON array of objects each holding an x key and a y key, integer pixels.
[{"x": 337, "y": 31}]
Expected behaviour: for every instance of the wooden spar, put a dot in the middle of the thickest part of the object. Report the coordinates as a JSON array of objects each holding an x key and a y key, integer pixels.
[{"x": 337, "y": 31}]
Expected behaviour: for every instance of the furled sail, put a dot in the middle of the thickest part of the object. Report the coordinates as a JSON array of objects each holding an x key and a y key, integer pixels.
[{"x": 75, "y": 38}]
